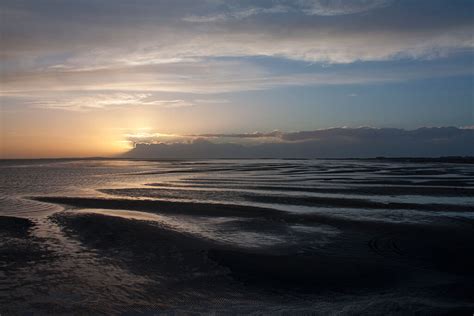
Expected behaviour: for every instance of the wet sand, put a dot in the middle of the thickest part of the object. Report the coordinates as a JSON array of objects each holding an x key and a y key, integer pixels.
[
  {"x": 374, "y": 190},
  {"x": 166, "y": 207},
  {"x": 444, "y": 246},
  {"x": 17, "y": 245},
  {"x": 292, "y": 200},
  {"x": 367, "y": 260},
  {"x": 239, "y": 237}
]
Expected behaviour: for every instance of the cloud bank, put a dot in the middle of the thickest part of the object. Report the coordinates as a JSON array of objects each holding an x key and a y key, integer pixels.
[{"x": 328, "y": 143}]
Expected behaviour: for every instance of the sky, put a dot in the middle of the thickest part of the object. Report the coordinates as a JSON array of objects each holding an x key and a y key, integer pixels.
[{"x": 94, "y": 78}]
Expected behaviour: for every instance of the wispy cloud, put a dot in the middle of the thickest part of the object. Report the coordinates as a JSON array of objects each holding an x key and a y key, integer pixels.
[
  {"x": 237, "y": 14},
  {"x": 151, "y": 49},
  {"x": 341, "y": 7},
  {"x": 328, "y": 31},
  {"x": 79, "y": 101},
  {"x": 205, "y": 78},
  {"x": 309, "y": 7},
  {"x": 104, "y": 101}
]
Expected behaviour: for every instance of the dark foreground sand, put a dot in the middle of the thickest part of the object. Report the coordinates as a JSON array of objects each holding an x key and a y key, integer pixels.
[
  {"x": 432, "y": 262},
  {"x": 17, "y": 246},
  {"x": 350, "y": 263}
]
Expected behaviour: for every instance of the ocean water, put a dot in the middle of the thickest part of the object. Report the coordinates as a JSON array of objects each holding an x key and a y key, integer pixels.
[{"x": 236, "y": 236}]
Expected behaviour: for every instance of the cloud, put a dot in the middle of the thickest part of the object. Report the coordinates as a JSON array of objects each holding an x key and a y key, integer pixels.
[
  {"x": 309, "y": 7},
  {"x": 104, "y": 101},
  {"x": 207, "y": 77},
  {"x": 333, "y": 143},
  {"x": 144, "y": 47},
  {"x": 345, "y": 132},
  {"x": 144, "y": 137},
  {"x": 237, "y": 14},
  {"x": 307, "y": 30},
  {"x": 242, "y": 135},
  {"x": 341, "y": 7}
]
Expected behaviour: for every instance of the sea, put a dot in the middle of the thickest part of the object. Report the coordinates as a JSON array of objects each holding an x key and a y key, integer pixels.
[{"x": 233, "y": 237}]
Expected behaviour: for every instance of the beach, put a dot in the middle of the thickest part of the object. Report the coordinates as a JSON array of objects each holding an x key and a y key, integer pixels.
[{"x": 271, "y": 236}]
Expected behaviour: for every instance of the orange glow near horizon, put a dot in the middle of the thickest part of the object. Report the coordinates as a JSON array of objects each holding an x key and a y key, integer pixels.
[
  {"x": 32, "y": 132},
  {"x": 65, "y": 134},
  {"x": 61, "y": 147}
]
